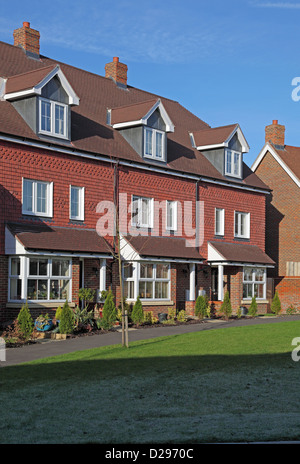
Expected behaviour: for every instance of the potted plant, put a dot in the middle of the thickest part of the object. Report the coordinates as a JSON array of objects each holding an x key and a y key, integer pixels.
[{"x": 43, "y": 323}]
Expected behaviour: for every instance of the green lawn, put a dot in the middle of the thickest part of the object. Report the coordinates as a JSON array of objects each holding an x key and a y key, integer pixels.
[{"x": 232, "y": 384}]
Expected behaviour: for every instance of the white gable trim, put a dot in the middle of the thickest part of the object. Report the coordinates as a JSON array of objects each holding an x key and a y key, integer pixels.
[
  {"x": 143, "y": 121},
  {"x": 37, "y": 89},
  {"x": 270, "y": 149}
]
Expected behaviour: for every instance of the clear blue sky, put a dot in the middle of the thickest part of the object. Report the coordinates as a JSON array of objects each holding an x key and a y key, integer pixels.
[{"x": 226, "y": 61}]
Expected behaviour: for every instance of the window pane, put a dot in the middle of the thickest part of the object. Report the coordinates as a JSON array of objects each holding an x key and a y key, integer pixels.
[
  {"x": 15, "y": 289},
  {"x": 148, "y": 144},
  {"x": 41, "y": 197},
  {"x": 243, "y": 220},
  {"x": 128, "y": 271},
  {"x": 59, "y": 119},
  {"x": 60, "y": 267},
  {"x": 46, "y": 116},
  {"x": 146, "y": 211},
  {"x": 135, "y": 210},
  {"x": 259, "y": 275},
  {"x": 146, "y": 271},
  {"x": 258, "y": 290},
  {"x": 247, "y": 291},
  {"x": 159, "y": 145},
  {"x": 236, "y": 224},
  {"x": 33, "y": 267},
  {"x": 27, "y": 195},
  {"x": 74, "y": 202},
  {"x": 228, "y": 161},
  {"x": 38, "y": 267},
  {"x": 129, "y": 289},
  {"x": 59, "y": 289},
  {"x": 248, "y": 274},
  {"x": 37, "y": 289},
  {"x": 161, "y": 290},
  {"x": 15, "y": 267},
  {"x": 236, "y": 168},
  {"x": 162, "y": 271}
]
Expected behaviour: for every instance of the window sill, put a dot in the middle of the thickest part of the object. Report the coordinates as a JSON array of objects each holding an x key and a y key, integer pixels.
[
  {"x": 257, "y": 301},
  {"x": 38, "y": 305},
  {"x": 154, "y": 302}
]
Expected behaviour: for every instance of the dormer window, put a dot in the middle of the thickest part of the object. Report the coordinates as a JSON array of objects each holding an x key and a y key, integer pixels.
[
  {"x": 154, "y": 143},
  {"x": 233, "y": 163},
  {"x": 53, "y": 118}
]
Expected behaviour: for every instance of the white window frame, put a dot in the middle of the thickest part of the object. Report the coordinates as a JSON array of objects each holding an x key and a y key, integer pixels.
[
  {"x": 221, "y": 221},
  {"x": 174, "y": 206},
  {"x": 253, "y": 282},
  {"x": 238, "y": 223},
  {"x": 154, "y": 133},
  {"x": 154, "y": 279},
  {"x": 81, "y": 194},
  {"x": 49, "y": 198},
  {"x": 129, "y": 282},
  {"x": 231, "y": 171},
  {"x": 25, "y": 276},
  {"x": 53, "y": 104},
  {"x": 137, "y": 221}
]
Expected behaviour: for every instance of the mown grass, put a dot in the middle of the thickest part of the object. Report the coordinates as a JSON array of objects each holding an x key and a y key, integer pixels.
[{"x": 233, "y": 384}]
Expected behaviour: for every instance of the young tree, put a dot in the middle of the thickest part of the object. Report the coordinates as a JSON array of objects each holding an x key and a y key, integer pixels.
[
  {"x": 253, "y": 307},
  {"x": 66, "y": 324},
  {"x": 276, "y": 304},
  {"x": 137, "y": 314},
  {"x": 200, "y": 307},
  {"x": 109, "y": 312},
  {"x": 25, "y": 321},
  {"x": 226, "y": 306}
]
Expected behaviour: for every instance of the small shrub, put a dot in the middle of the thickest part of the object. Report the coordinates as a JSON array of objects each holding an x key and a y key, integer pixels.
[
  {"x": 66, "y": 324},
  {"x": 149, "y": 318},
  {"x": 172, "y": 314},
  {"x": 86, "y": 295},
  {"x": 137, "y": 314},
  {"x": 25, "y": 321},
  {"x": 109, "y": 312},
  {"x": 83, "y": 319},
  {"x": 276, "y": 304},
  {"x": 253, "y": 307},
  {"x": 291, "y": 310},
  {"x": 201, "y": 307},
  {"x": 226, "y": 309},
  {"x": 239, "y": 312},
  {"x": 181, "y": 316}
]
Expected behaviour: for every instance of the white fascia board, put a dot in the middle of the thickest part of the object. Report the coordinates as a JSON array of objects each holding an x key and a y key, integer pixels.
[
  {"x": 22, "y": 93},
  {"x": 210, "y": 147},
  {"x": 121, "y": 125},
  {"x": 240, "y": 264},
  {"x": 270, "y": 149}
]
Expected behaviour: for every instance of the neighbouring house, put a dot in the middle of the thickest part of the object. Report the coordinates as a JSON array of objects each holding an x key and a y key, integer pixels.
[
  {"x": 78, "y": 150},
  {"x": 278, "y": 165}
]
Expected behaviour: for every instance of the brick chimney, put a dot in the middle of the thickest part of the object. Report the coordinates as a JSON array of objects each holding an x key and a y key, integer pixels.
[
  {"x": 117, "y": 71},
  {"x": 275, "y": 133},
  {"x": 28, "y": 39}
]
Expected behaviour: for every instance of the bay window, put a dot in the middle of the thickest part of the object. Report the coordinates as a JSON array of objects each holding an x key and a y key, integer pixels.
[
  {"x": 149, "y": 281},
  {"x": 254, "y": 283},
  {"x": 40, "y": 279}
]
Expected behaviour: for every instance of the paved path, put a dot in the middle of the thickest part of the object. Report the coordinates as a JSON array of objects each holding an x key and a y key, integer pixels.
[{"x": 50, "y": 347}]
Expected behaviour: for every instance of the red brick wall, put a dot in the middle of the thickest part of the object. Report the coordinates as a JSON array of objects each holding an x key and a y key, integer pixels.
[
  {"x": 283, "y": 214},
  {"x": 232, "y": 200},
  {"x": 288, "y": 289}
]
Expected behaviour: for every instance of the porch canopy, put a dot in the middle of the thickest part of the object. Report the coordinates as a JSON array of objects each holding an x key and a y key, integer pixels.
[
  {"x": 167, "y": 249},
  {"x": 235, "y": 254},
  {"x": 40, "y": 238}
]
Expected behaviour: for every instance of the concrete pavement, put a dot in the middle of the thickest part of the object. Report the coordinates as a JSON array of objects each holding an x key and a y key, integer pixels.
[{"x": 48, "y": 347}]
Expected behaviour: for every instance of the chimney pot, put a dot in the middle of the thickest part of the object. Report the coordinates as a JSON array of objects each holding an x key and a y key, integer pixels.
[
  {"x": 275, "y": 121},
  {"x": 26, "y": 24},
  {"x": 116, "y": 59}
]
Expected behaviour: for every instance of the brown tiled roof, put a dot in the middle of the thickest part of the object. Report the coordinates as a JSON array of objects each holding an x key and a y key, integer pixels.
[
  {"x": 242, "y": 253},
  {"x": 90, "y": 132},
  {"x": 291, "y": 157},
  {"x": 163, "y": 247},
  {"x": 48, "y": 238},
  {"x": 131, "y": 112},
  {"x": 27, "y": 80},
  {"x": 213, "y": 136}
]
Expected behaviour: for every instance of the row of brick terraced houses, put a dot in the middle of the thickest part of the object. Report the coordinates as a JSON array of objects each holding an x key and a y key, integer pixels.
[{"x": 77, "y": 149}]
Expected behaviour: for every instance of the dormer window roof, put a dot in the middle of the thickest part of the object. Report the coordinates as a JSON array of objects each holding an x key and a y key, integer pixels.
[
  {"x": 218, "y": 137},
  {"x": 31, "y": 83},
  {"x": 138, "y": 114}
]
